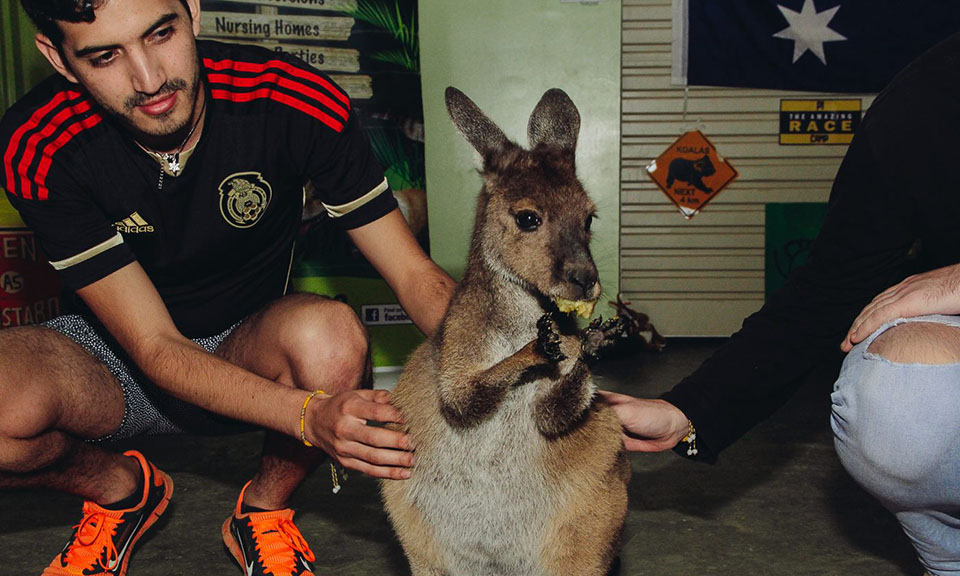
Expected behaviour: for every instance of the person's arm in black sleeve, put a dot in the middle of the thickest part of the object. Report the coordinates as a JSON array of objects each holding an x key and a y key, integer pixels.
[{"x": 863, "y": 248}]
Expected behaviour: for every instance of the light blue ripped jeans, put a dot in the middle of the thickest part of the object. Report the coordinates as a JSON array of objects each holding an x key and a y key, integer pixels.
[{"x": 897, "y": 431}]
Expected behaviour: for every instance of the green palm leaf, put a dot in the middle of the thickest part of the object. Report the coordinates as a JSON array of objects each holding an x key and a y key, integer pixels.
[{"x": 385, "y": 17}]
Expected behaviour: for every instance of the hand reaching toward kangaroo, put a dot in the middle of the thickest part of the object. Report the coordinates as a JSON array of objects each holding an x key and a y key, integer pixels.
[
  {"x": 933, "y": 292},
  {"x": 648, "y": 425},
  {"x": 338, "y": 426}
]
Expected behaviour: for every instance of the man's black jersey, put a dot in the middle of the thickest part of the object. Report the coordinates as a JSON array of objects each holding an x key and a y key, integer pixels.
[{"x": 217, "y": 240}]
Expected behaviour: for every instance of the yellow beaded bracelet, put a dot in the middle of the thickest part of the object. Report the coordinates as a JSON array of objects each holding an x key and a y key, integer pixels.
[
  {"x": 303, "y": 417},
  {"x": 303, "y": 438}
]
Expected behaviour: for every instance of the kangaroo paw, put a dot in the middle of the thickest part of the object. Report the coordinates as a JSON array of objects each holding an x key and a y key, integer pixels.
[
  {"x": 548, "y": 339},
  {"x": 599, "y": 335}
]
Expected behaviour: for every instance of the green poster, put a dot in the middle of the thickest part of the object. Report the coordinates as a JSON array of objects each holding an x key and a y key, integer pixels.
[{"x": 790, "y": 231}]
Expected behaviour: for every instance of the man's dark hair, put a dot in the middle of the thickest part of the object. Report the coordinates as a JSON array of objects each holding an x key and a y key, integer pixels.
[{"x": 46, "y": 13}]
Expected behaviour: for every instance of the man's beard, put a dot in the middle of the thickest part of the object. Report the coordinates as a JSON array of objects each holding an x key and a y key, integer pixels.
[{"x": 162, "y": 132}]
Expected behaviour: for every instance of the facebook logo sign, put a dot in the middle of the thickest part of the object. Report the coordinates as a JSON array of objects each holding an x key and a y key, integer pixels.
[{"x": 380, "y": 314}]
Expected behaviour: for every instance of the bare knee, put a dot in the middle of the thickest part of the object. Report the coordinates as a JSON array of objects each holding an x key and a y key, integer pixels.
[
  {"x": 327, "y": 344},
  {"x": 894, "y": 422},
  {"x": 49, "y": 382},
  {"x": 41, "y": 411},
  {"x": 919, "y": 342},
  {"x": 26, "y": 411},
  {"x": 28, "y": 407}
]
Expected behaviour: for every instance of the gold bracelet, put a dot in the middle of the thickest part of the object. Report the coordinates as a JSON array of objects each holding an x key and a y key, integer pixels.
[
  {"x": 303, "y": 438},
  {"x": 691, "y": 439},
  {"x": 303, "y": 417}
]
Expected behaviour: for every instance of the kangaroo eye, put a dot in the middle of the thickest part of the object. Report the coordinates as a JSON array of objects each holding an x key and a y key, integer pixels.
[
  {"x": 528, "y": 220},
  {"x": 588, "y": 223}
]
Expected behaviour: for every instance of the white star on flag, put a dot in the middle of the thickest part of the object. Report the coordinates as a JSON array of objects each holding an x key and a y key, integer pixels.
[{"x": 808, "y": 30}]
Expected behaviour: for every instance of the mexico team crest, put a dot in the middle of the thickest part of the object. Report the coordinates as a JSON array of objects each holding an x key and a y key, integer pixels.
[{"x": 244, "y": 197}]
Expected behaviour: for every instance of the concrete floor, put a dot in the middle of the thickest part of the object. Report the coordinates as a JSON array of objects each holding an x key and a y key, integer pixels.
[{"x": 777, "y": 504}]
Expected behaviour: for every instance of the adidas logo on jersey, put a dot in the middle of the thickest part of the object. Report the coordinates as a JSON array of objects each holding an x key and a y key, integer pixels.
[{"x": 133, "y": 224}]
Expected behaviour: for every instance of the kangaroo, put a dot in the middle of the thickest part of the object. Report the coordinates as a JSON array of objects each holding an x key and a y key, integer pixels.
[{"x": 519, "y": 469}]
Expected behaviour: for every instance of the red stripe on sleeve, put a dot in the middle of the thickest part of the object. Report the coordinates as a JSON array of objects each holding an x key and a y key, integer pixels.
[
  {"x": 24, "y": 166},
  {"x": 282, "y": 98},
  {"x": 30, "y": 124},
  {"x": 282, "y": 81},
  {"x": 50, "y": 149},
  {"x": 280, "y": 64}
]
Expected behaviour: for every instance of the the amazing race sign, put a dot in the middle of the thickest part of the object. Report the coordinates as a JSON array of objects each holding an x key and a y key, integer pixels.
[
  {"x": 819, "y": 121},
  {"x": 691, "y": 173}
]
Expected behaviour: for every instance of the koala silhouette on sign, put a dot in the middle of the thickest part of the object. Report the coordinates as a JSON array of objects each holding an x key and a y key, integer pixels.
[{"x": 691, "y": 171}]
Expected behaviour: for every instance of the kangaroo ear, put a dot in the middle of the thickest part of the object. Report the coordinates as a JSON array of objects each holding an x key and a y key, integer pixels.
[
  {"x": 555, "y": 121},
  {"x": 479, "y": 130}
]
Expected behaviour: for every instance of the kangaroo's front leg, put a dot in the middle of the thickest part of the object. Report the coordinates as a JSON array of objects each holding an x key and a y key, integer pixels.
[
  {"x": 467, "y": 398},
  {"x": 600, "y": 335},
  {"x": 567, "y": 391},
  {"x": 563, "y": 401}
]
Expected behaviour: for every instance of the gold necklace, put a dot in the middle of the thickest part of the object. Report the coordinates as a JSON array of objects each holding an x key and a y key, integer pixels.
[{"x": 173, "y": 160}]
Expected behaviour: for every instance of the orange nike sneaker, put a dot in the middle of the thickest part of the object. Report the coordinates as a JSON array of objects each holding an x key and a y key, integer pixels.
[
  {"x": 267, "y": 543},
  {"x": 103, "y": 540}
]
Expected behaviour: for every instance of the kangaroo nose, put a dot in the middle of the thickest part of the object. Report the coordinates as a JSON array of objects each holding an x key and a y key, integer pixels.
[{"x": 585, "y": 279}]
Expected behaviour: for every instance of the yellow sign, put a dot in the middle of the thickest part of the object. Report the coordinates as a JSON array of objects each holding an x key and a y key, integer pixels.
[{"x": 819, "y": 121}]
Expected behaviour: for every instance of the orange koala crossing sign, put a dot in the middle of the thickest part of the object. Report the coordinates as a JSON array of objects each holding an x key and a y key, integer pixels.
[{"x": 691, "y": 173}]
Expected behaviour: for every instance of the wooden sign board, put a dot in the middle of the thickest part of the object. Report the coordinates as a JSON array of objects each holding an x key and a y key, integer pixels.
[
  {"x": 358, "y": 86},
  {"x": 338, "y": 5},
  {"x": 691, "y": 173},
  {"x": 320, "y": 57},
  {"x": 274, "y": 26},
  {"x": 819, "y": 121}
]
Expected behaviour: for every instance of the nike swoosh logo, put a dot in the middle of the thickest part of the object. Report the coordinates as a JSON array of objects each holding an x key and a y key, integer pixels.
[
  {"x": 123, "y": 551},
  {"x": 248, "y": 563}
]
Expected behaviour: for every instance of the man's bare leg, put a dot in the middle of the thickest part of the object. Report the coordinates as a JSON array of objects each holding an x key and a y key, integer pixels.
[
  {"x": 306, "y": 341},
  {"x": 55, "y": 396}
]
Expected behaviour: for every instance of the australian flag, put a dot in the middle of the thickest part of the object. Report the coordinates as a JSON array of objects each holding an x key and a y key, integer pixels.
[{"x": 815, "y": 45}]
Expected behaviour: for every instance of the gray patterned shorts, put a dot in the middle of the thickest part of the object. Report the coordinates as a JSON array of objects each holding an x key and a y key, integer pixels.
[{"x": 147, "y": 409}]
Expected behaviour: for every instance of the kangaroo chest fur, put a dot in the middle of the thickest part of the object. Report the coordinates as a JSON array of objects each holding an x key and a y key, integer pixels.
[
  {"x": 487, "y": 496},
  {"x": 484, "y": 493}
]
